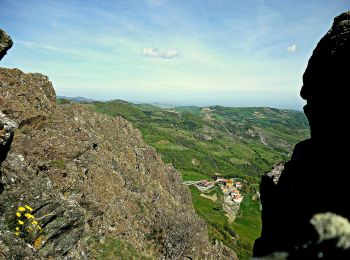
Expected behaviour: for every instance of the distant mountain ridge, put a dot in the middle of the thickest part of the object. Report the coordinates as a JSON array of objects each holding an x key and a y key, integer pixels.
[
  {"x": 81, "y": 99},
  {"x": 77, "y": 99}
]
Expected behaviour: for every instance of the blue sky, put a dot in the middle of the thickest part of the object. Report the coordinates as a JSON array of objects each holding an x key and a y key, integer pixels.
[{"x": 227, "y": 52}]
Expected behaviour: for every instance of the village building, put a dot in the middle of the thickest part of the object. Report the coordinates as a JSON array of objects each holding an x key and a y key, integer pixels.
[
  {"x": 206, "y": 109},
  {"x": 225, "y": 190},
  {"x": 238, "y": 198},
  {"x": 229, "y": 183},
  {"x": 234, "y": 191},
  {"x": 238, "y": 184},
  {"x": 221, "y": 181},
  {"x": 205, "y": 185}
]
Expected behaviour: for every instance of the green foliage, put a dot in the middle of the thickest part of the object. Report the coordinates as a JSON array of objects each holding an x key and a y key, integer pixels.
[
  {"x": 115, "y": 249},
  {"x": 59, "y": 164},
  {"x": 61, "y": 101},
  {"x": 248, "y": 226},
  {"x": 120, "y": 108},
  {"x": 192, "y": 176},
  {"x": 190, "y": 121},
  {"x": 218, "y": 226}
]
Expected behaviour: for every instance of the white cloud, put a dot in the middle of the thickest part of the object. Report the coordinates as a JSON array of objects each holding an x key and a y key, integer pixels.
[
  {"x": 155, "y": 53},
  {"x": 150, "y": 52},
  {"x": 34, "y": 45},
  {"x": 292, "y": 48},
  {"x": 169, "y": 54}
]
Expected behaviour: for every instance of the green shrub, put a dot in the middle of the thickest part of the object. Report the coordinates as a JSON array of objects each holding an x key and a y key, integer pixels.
[{"x": 60, "y": 164}]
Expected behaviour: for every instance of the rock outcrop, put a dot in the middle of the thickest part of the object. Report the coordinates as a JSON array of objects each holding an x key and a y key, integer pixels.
[
  {"x": 95, "y": 187},
  {"x": 315, "y": 181},
  {"x": 5, "y": 43}
]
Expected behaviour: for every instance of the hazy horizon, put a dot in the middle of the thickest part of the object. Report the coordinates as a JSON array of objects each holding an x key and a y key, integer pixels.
[
  {"x": 172, "y": 103},
  {"x": 229, "y": 53}
]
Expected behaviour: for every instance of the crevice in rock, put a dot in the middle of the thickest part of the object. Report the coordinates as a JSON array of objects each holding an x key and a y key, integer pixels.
[
  {"x": 34, "y": 122},
  {"x": 5, "y": 147}
]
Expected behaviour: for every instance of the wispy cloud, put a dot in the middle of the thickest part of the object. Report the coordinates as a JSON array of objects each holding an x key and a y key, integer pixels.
[
  {"x": 41, "y": 46},
  {"x": 150, "y": 52},
  {"x": 155, "y": 53},
  {"x": 292, "y": 48},
  {"x": 169, "y": 54}
]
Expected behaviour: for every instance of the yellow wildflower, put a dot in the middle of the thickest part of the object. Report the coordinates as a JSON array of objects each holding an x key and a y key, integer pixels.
[
  {"x": 17, "y": 233},
  {"x": 17, "y": 228},
  {"x": 21, "y": 209},
  {"x": 30, "y": 229},
  {"x": 34, "y": 222},
  {"x": 28, "y": 208},
  {"x": 18, "y": 214},
  {"x": 20, "y": 222},
  {"x": 38, "y": 227},
  {"x": 29, "y": 216}
]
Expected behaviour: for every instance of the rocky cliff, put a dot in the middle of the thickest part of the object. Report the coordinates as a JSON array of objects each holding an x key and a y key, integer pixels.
[
  {"x": 311, "y": 197},
  {"x": 96, "y": 189}
]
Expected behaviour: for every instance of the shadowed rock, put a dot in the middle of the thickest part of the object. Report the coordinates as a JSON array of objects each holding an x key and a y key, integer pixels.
[
  {"x": 5, "y": 43},
  {"x": 316, "y": 178}
]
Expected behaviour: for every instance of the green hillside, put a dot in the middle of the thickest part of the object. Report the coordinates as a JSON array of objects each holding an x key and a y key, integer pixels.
[{"x": 203, "y": 143}]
